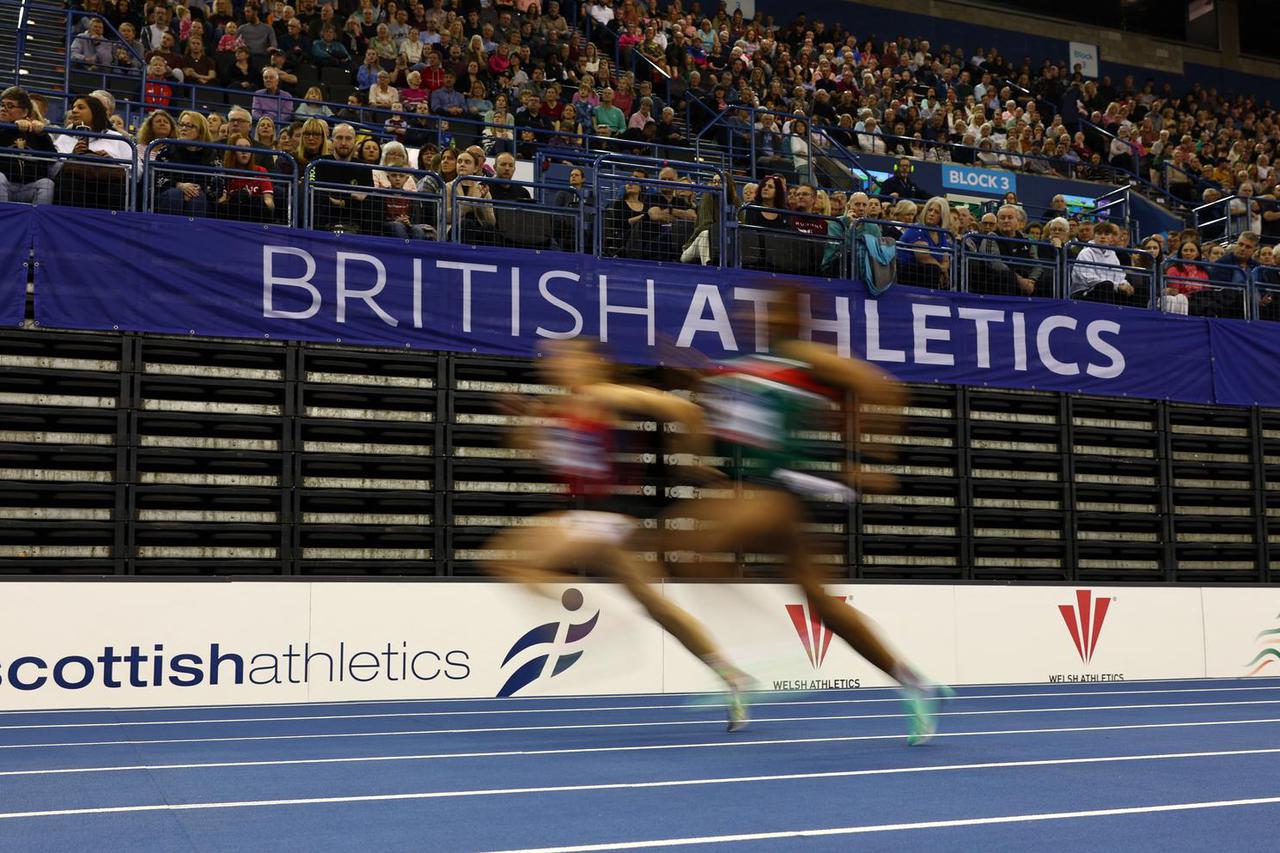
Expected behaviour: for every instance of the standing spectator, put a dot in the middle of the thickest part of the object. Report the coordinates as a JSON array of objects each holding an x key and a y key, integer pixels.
[
  {"x": 187, "y": 192},
  {"x": 900, "y": 185},
  {"x": 624, "y": 220},
  {"x": 24, "y": 178},
  {"x": 259, "y": 37},
  {"x": 271, "y": 100}
]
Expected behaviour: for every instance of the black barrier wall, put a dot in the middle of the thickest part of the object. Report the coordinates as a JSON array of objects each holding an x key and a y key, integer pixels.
[{"x": 167, "y": 457}]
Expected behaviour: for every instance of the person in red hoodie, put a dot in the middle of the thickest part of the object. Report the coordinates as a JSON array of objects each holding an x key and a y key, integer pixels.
[{"x": 158, "y": 92}]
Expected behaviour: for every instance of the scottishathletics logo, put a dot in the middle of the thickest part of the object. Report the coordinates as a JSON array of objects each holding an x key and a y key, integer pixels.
[
  {"x": 1084, "y": 621},
  {"x": 1268, "y": 651},
  {"x": 556, "y": 659}
]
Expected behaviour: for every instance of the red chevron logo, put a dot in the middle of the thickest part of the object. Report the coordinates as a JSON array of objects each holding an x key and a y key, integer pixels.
[
  {"x": 1084, "y": 621},
  {"x": 813, "y": 633}
]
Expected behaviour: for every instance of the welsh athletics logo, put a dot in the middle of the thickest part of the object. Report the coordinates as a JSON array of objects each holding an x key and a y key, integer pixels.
[
  {"x": 813, "y": 633},
  {"x": 1084, "y": 620},
  {"x": 555, "y": 657},
  {"x": 1269, "y": 653}
]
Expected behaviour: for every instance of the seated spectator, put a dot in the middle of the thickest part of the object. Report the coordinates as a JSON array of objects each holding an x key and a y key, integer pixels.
[
  {"x": 771, "y": 206},
  {"x": 925, "y": 249},
  {"x": 609, "y": 116},
  {"x": 128, "y": 53},
  {"x": 91, "y": 50},
  {"x": 1011, "y": 268},
  {"x": 157, "y": 92},
  {"x": 670, "y": 217},
  {"x": 96, "y": 174},
  {"x": 343, "y": 210},
  {"x": 382, "y": 94},
  {"x": 403, "y": 217},
  {"x": 901, "y": 215},
  {"x": 1096, "y": 273},
  {"x": 157, "y": 125},
  {"x": 247, "y": 197},
  {"x": 413, "y": 92},
  {"x": 1183, "y": 278},
  {"x": 504, "y": 167},
  {"x": 197, "y": 66},
  {"x": 447, "y": 101},
  {"x": 24, "y": 178},
  {"x": 187, "y": 191},
  {"x": 465, "y": 207},
  {"x": 312, "y": 105},
  {"x": 499, "y": 131},
  {"x": 271, "y": 100},
  {"x": 240, "y": 73},
  {"x": 328, "y": 52},
  {"x": 1233, "y": 270}
]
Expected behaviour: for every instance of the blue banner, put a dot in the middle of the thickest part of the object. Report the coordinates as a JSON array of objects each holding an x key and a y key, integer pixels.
[
  {"x": 142, "y": 272},
  {"x": 985, "y": 181},
  {"x": 15, "y": 250}
]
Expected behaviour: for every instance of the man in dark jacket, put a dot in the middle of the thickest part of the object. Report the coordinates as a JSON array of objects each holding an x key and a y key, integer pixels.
[
  {"x": 1013, "y": 266},
  {"x": 901, "y": 186},
  {"x": 23, "y": 177}
]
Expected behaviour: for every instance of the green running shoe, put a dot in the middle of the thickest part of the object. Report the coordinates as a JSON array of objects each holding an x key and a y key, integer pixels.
[{"x": 922, "y": 706}]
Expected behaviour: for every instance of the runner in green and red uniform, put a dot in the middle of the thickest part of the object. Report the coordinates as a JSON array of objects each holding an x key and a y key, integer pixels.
[{"x": 756, "y": 408}]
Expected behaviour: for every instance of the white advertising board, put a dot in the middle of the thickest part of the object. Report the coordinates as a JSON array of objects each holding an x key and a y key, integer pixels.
[
  {"x": 1086, "y": 56},
  {"x": 1078, "y": 634},
  {"x": 93, "y": 644},
  {"x": 1242, "y": 632},
  {"x": 774, "y": 634}
]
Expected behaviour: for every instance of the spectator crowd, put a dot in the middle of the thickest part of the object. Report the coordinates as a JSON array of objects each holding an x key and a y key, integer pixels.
[{"x": 459, "y": 88}]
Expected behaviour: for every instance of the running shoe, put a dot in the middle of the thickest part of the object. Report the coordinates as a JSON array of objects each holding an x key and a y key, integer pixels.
[
  {"x": 740, "y": 686},
  {"x": 922, "y": 705}
]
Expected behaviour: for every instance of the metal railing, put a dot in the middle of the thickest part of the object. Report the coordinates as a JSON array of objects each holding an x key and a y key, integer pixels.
[
  {"x": 1098, "y": 272},
  {"x": 796, "y": 244},
  {"x": 1011, "y": 266},
  {"x": 362, "y": 207},
  {"x": 249, "y": 195},
  {"x": 513, "y": 222}
]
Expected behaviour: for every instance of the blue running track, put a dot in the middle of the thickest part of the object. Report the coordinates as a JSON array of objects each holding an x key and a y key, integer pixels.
[{"x": 1136, "y": 766}]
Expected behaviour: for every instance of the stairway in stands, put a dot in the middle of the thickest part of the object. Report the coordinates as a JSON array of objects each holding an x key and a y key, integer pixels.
[{"x": 33, "y": 43}]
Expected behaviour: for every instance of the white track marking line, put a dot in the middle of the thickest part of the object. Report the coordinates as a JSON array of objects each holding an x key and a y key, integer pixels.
[
  {"x": 597, "y": 697},
  {"x": 637, "y": 724},
  {"x": 577, "y": 710},
  {"x": 620, "y": 786},
  {"x": 585, "y": 750},
  {"x": 898, "y": 827}
]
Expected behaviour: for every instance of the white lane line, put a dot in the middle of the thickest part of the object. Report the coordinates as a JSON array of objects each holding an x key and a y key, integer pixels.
[
  {"x": 586, "y": 750},
  {"x": 898, "y": 827},
  {"x": 620, "y": 786},
  {"x": 576, "y": 710},
  {"x": 636, "y": 724},
  {"x": 620, "y": 696}
]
